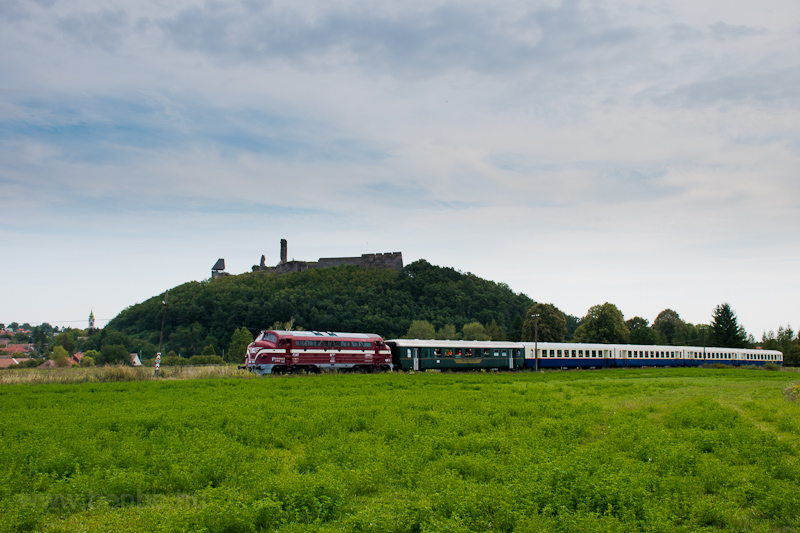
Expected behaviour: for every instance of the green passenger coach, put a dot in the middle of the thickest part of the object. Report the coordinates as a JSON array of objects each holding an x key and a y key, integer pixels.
[{"x": 416, "y": 354}]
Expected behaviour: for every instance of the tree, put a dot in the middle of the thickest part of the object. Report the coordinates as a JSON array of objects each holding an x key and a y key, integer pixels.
[
  {"x": 447, "y": 332},
  {"x": 552, "y": 324},
  {"x": 285, "y": 326},
  {"x": 420, "y": 329},
  {"x": 725, "y": 329},
  {"x": 641, "y": 333},
  {"x": 64, "y": 339},
  {"x": 59, "y": 354},
  {"x": 114, "y": 354},
  {"x": 572, "y": 324},
  {"x": 237, "y": 350},
  {"x": 209, "y": 350},
  {"x": 495, "y": 332},
  {"x": 90, "y": 357},
  {"x": 669, "y": 324},
  {"x": 515, "y": 335},
  {"x": 604, "y": 324},
  {"x": 474, "y": 331},
  {"x": 188, "y": 339}
]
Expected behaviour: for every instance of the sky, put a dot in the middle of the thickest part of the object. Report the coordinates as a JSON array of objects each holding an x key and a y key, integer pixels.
[{"x": 640, "y": 153}]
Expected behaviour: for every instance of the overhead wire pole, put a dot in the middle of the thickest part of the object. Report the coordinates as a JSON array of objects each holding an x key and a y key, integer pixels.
[
  {"x": 536, "y": 339},
  {"x": 704, "y": 343},
  {"x": 161, "y": 337}
]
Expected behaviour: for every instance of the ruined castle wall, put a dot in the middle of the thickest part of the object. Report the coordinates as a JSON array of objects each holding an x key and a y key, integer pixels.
[
  {"x": 330, "y": 262},
  {"x": 291, "y": 266},
  {"x": 392, "y": 260}
]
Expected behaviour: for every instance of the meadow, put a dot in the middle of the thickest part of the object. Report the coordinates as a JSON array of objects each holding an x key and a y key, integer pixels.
[{"x": 614, "y": 450}]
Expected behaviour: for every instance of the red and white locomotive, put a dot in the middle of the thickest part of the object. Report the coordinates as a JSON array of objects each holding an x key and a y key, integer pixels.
[{"x": 278, "y": 352}]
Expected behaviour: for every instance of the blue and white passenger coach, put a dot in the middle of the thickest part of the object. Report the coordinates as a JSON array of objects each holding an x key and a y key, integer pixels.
[{"x": 570, "y": 355}]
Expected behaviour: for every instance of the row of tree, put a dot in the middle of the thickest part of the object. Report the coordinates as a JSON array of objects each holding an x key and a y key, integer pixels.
[
  {"x": 473, "y": 331},
  {"x": 606, "y": 324}
]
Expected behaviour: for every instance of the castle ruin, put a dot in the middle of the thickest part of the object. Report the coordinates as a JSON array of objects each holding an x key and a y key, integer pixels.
[{"x": 391, "y": 260}]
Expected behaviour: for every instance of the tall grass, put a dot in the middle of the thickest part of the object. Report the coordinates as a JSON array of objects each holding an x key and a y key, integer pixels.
[
  {"x": 620, "y": 450},
  {"x": 101, "y": 374}
]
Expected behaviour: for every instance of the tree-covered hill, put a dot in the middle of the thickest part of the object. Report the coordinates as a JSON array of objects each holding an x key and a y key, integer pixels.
[{"x": 336, "y": 299}]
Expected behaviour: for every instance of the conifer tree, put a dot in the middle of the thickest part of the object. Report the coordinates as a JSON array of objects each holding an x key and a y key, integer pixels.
[{"x": 725, "y": 329}]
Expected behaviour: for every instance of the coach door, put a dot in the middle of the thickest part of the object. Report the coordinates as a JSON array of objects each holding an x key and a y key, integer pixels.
[{"x": 415, "y": 356}]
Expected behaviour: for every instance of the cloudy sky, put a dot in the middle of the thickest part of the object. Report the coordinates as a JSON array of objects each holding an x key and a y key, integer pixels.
[{"x": 641, "y": 153}]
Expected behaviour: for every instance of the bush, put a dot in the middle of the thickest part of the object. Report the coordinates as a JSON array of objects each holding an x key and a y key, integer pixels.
[
  {"x": 87, "y": 360},
  {"x": 174, "y": 360},
  {"x": 209, "y": 350},
  {"x": 772, "y": 366},
  {"x": 206, "y": 360},
  {"x": 114, "y": 354}
]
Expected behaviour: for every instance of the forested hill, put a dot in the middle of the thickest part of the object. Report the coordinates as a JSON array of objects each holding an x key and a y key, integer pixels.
[{"x": 336, "y": 299}]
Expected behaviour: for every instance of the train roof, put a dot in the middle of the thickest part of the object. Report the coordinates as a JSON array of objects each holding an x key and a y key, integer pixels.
[
  {"x": 421, "y": 343},
  {"x": 324, "y": 334}
]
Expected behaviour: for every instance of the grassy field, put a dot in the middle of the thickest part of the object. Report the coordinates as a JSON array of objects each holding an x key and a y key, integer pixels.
[{"x": 613, "y": 450}]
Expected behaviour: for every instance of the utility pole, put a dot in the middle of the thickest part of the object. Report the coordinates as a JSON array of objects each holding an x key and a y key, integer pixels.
[
  {"x": 161, "y": 338},
  {"x": 536, "y": 339},
  {"x": 704, "y": 343}
]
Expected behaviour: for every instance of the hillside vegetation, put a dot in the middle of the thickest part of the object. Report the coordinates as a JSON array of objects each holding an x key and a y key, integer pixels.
[{"x": 337, "y": 299}]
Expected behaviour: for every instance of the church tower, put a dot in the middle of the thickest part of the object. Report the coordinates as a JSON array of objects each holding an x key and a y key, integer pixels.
[{"x": 91, "y": 320}]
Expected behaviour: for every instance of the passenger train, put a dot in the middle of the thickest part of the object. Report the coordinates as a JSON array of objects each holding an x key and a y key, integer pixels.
[{"x": 314, "y": 351}]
